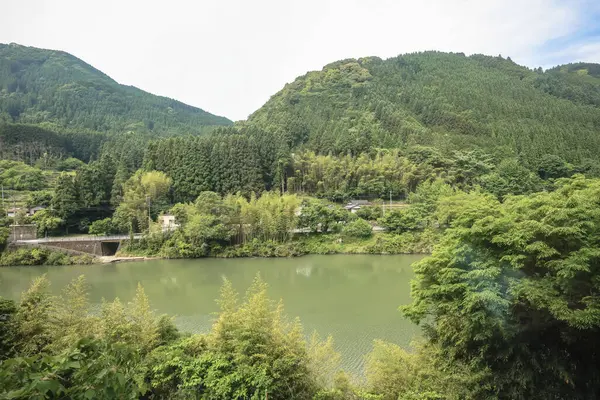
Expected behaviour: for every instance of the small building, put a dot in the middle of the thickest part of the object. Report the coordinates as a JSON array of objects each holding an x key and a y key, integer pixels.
[
  {"x": 355, "y": 205},
  {"x": 168, "y": 222},
  {"x": 12, "y": 212},
  {"x": 36, "y": 209}
]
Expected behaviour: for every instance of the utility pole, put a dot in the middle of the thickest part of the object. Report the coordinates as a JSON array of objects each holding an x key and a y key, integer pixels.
[
  {"x": 149, "y": 217},
  {"x": 14, "y": 220}
]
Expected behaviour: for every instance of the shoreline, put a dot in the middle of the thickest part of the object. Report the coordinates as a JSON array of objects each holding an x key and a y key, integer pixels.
[{"x": 377, "y": 244}]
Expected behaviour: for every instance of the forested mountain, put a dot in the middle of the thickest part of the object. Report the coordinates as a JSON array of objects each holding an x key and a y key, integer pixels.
[
  {"x": 578, "y": 82},
  {"x": 38, "y": 85},
  {"x": 444, "y": 100}
]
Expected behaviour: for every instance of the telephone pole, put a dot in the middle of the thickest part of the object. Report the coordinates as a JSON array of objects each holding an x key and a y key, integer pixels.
[{"x": 149, "y": 217}]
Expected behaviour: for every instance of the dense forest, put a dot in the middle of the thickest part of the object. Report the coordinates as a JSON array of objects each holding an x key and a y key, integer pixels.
[
  {"x": 489, "y": 167},
  {"x": 55, "y": 104},
  {"x": 444, "y": 100},
  {"x": 53, "y": 86}
]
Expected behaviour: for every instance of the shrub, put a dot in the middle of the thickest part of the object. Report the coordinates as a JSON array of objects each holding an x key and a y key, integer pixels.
[
  {"x": 409, "y": 219},
  {"x": 358, "y": 229},
  {"x": 369, "y": 213},
  {"x": 102, "y": 227}
]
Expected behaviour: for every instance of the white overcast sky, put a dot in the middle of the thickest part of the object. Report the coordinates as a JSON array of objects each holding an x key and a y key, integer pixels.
[{"x": 229, "y": 56}]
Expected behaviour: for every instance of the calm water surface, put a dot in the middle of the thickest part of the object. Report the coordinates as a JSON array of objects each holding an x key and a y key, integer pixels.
[{"x": 353, "y": 297}]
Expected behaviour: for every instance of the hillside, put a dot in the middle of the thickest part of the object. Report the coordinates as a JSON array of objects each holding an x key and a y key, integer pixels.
[
  {"x": 444, "y": 100},
  {"x": 578, "y": 82},
  {"x": 47, "y": 86}
]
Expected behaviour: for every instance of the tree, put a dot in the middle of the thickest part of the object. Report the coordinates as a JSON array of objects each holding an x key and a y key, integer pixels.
[
  {"x": 358, "y": 228},
  {"x": 512, "y": 292},
  {"x": 8, "y": 328},
  {"x": 65, "y": 201},
  {"x": 321, "y": 216},
  {"x": 145, "y": 196},
  {"x": 408, "y": 219},
  {"x": 510, "y": 177},
  {"x": 46, "y": 221},
  {"x": 551, "y": 166},
  {"x": 40, "y": 198},
  {"x": 102, "y": 227},
  {"x": 34, "y": 317},
  {"x": 256, "y": 351}
]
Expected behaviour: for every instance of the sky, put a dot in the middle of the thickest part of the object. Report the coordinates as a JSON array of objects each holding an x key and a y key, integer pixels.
[{"x": 229, "y": 56}]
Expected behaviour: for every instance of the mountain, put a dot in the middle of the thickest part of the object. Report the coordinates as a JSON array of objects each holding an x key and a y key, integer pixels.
[
  {"x": 444, "y": 100},
  {"x": 54, "y": 87},
  {"x": 578, "y": 82}
]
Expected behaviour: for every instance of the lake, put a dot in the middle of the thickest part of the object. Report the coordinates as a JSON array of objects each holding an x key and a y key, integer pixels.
[{"x": 353, "y": 297}]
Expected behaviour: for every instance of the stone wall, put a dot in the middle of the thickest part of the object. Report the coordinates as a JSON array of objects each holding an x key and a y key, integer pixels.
[{"x": 90, "y": 247}]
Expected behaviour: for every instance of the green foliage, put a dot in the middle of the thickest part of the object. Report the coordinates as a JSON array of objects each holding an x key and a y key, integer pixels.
[
  {"x": 510, "y": 177},
  {"x": 358, "y": 228},
  {"x": 102, "y": 227},
  {"x": 515, "y": 284},
  {"x": 227, "y": 162},
  {"x": 576, "y": 82},
  {"x": 90, "y": 369},
  {"x": 40, "y": 198},
  {"x": 40, "y": 256},
  {"x": 395, "y": 373},
  {"x": 320, "y": 216},
  {"x": 70, "y": 164},
  {"x": 405, "y": 220},
  {"x": 65, "y": 201},
  {"x": 40, "y": 85},
  {"x": 252, "y": 351},
  {"x": 20, "y": 176},
  {"x": 8, "y": 328},
  {"x": 370, "y": 213},
  {"x": 447, "y": 101},
  {"x": 256, "y": 350},
  {"x": 145, "y": 195},
  {"x": 46, "y": 222},
  {"x": 551, "y": 166},
  {"x": 33, "y": 317}
]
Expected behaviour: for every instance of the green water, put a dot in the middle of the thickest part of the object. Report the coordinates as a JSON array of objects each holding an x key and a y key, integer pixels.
[{"x": 353, "y": 297}]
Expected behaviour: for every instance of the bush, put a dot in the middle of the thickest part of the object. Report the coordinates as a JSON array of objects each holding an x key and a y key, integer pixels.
[
  {"x": 37, "y": 256},
  {"x": 102, "y": 227},
  {"x": 69, "y": 164},
  {"x": 20, "y": 176},
  {"x": 406, "y": 220},
  {"x": 369, "y": 213},
  {"x": 358, "y": 229}
]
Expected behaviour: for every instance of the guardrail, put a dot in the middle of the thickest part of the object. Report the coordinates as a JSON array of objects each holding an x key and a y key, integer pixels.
[{"x": 81, "y": 238}]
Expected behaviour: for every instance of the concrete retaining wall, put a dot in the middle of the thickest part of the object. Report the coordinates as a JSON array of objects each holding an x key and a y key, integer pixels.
[{"x": 89, "y": 247}]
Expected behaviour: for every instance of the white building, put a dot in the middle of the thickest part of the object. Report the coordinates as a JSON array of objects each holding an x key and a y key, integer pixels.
[{"x": 167, "y": 222}]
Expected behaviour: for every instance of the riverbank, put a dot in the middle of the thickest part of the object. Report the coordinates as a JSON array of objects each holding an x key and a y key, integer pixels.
[
  {"x": 40, "y": 256},
  {"x": 420, "y": 242},
  {"x": 305, "y": 244}
]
